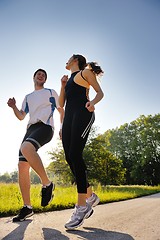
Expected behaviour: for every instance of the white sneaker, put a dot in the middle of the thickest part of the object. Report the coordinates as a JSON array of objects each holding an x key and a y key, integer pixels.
[
  {"x": 79, "y": 215},
  {"x": 93, "y": 200}
]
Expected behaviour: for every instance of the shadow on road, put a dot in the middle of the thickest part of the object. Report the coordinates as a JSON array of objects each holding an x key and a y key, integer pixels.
[
  {"x": 87, "y": 234},
  {"x": 53, "y": 234},
  {"x": 18, "y": 233},
  {"x": 96, "y": 233}
]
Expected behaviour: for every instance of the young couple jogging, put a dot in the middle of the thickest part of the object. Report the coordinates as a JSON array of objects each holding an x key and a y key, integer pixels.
[{"x": 76, "y": 122}]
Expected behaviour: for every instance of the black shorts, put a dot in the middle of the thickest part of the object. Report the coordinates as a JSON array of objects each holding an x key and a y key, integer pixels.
[{"x": 38, "y": 134}]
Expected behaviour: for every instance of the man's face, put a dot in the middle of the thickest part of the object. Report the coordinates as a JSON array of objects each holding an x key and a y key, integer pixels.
[{"x": 40, "y": 78}]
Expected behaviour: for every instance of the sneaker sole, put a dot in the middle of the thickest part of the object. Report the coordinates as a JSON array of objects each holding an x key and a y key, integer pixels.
[
  {"x": 89, "y": 214},
  {"x": 50, "y": 199},
  {"x": 29, "y": 215},
  {"x": 23, "y": 219},
  {"x": 53, "y": 188},
  {"x": 85, "y": 217},
  {"x": 96, "y": 202}
]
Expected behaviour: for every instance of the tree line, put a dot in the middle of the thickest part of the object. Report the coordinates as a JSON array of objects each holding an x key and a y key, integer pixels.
[
  {"x": 13, "y": 177},
  {"x": 138, "y": 146},
  {"x": 129, "y": 154}
]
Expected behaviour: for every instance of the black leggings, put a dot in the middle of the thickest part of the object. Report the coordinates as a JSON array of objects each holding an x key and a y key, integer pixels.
[{"x": 76, "y": 127}]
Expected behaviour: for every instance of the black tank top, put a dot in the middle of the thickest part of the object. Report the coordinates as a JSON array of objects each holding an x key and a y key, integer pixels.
[{"x": 76, "y": 96}]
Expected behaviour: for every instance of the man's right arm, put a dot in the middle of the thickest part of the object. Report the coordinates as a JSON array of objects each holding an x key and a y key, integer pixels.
[{"x": 18, "y": 113}]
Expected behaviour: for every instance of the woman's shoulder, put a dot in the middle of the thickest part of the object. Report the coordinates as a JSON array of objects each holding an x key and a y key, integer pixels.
[
  {"x": 88, "y": 73},
  {"x": 87, "y": 70}
]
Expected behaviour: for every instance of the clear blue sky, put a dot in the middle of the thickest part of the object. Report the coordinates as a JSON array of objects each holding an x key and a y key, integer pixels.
[{"x": 123, "y": 36}]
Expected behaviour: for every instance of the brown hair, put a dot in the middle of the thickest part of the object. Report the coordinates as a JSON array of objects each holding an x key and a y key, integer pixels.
[
  {"x": 81, "y": 61},
  {"x": 82, "y": 64},
  {"x": 95, "y": 68},
  {"x": 42, "y": 70}
]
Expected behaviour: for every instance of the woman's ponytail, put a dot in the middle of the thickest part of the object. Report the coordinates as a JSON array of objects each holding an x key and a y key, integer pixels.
[{"x": 95, "y": 68}]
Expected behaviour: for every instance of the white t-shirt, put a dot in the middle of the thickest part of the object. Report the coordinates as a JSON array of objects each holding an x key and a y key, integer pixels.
[{"x": 40, "y": 104}]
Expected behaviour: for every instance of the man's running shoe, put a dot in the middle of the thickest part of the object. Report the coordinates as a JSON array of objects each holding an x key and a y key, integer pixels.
[
  {"x": 79, "y": 215},
  {"x": 25, "y": 212},
  {"x": 93, "y": 200},
  {"x": 47, "y": 194}
]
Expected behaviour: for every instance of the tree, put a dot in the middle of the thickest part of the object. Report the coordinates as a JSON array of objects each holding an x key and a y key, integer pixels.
[
  {"x": 34, "y": 177},
  {"x": 103, "y": 166},
  {"x": 59, "y": 166},
  {"x": 138, "y": 145},
  {"x": 14, "y": 176},
  {"x": 5, "y": 178}
]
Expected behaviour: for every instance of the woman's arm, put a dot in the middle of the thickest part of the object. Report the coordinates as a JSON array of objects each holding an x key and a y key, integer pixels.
[
  {"x": 61, "y": 112},
  {"x": 64, "y": 80},
  {"x": 91, "y": 79}
]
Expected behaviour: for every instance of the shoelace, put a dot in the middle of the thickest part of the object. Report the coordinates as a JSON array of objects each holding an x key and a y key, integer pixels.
[{"x": 75, "y": 214}]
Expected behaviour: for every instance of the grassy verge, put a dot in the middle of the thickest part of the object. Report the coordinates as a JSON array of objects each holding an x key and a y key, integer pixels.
[{"x": 65, "y": 197}]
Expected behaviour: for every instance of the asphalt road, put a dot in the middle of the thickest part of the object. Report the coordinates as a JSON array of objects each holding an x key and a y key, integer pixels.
[{"x": 137, "y": 219}]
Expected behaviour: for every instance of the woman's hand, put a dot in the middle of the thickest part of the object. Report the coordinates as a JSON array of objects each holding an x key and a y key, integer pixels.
[
  {"x": 64, "y": 80},
  {"x": 90, "y": 106}
]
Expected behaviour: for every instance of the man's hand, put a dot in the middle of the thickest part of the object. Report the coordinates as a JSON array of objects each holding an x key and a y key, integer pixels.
[{"x": 11, "y": 102}]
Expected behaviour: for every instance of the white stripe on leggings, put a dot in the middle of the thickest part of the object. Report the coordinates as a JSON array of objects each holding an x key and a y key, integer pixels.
[
  {"x": 33, "y": 140},
  {"x": 88, "y": 126}
]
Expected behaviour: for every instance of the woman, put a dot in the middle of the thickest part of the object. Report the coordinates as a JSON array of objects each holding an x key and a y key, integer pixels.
[{"x": 79, "y": 117}]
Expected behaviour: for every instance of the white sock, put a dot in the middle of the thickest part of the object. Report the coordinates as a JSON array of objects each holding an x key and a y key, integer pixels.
[
  {"x": 28, "y": 206},
  {"x": 82, "y": 208},
  {"x": 44, "y": 186},
  {"x": 48, "y": 184}
]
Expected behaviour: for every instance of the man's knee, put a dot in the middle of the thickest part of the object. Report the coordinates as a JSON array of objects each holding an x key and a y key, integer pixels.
[{"x": 26, "y": 147}]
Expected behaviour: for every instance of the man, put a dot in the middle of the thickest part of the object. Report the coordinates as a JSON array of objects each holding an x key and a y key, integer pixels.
[{"x": 40, "y": 104}]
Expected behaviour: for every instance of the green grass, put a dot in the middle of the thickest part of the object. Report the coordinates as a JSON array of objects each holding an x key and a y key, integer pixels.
[{"x": 65, "y": 197}]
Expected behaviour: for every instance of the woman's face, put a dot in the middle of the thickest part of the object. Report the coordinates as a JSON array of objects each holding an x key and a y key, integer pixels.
[{"x": 71, "y": 62}]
